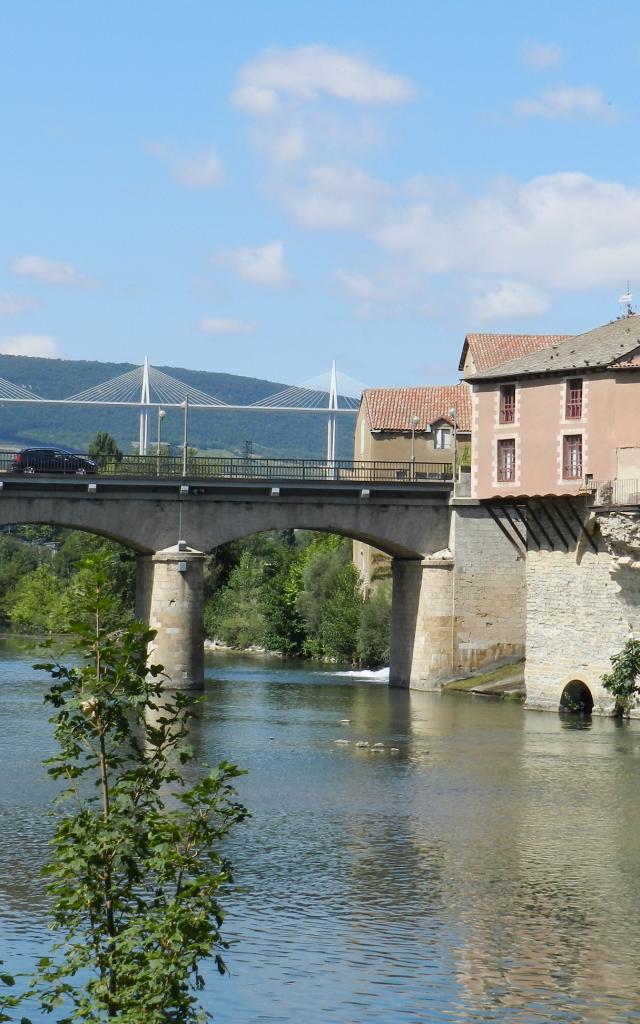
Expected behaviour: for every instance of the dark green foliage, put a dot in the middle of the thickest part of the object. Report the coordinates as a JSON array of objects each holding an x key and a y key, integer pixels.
[
  {"x": 297, "y": 594},
  {"x": 104, "y": 449},
  {"x": 374, "y": 627},
  {"x": 17, "y": 560},
  {"x": 234, "y": 614},
  {"x": 623, "y": 681},
  {"x": 341, "y": 616},
  {"x": 135, "y": 873},
  {"x": 39, "y": 563}
]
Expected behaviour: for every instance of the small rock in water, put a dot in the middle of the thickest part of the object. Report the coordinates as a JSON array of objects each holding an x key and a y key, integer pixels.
[
  {"x": 394, "y": 750},
  {"x": 362, "y": 743},
  {"x": 345, "y": 721},
  {"x": 377, "y": 750},
  {"x": 378, "y": 746},
  {"x": 343, "y": 743}
]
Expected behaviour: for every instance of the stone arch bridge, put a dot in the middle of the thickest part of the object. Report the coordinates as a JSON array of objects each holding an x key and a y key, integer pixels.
[{"x": 458, "y": 587}]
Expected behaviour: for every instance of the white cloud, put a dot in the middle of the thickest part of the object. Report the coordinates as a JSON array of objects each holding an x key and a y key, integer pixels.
[
  {"x": 334, "y": 196},
  {"x": 29, "y": 345},
  {"x": 540, "y": 56},
  {"x": 307, "y": 72},
  {"x": 226, "y": 325},
  {"x": 47, "y": 271},
  {"x": 10, "y": 303},
  {"x": 256, "y": 101},
  {"x": 263, "y": 265},
  {"x": 306, "y": 103},
  {"x": 195, "y": 171},
  {"x": 358, "y": 285},
  {"x": 562, "y": 231},
  {"x": 388, "y": 293},
  {"x": 564, "y": 102},
  {"x": 509, "y": 300}
]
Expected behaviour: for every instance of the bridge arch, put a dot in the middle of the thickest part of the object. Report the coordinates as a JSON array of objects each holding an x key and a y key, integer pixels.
[
  {"x": 577, "y": 697},
  {"x": 148, "y": 524},
  {"x": 171, "y": 525}
]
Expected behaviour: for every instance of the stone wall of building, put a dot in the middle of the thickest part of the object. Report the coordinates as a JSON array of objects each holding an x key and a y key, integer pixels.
[
  {"x": 489, "y": 592},
  {"x": 582, "y": 606},
  {"x": 461, "y": 609}
]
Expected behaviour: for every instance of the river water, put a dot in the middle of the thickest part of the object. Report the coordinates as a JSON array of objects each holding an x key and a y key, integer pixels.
[{"x": 488, "y": 871}]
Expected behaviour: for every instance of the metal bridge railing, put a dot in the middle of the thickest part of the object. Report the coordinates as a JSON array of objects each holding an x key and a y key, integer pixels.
[{"x": 219, "y": 468}]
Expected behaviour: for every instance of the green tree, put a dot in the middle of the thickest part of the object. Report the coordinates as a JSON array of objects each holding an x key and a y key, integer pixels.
[
  {"x": 374, "y": 627},
  {"x": 341, "y": 617},
  {"x": 17, "y": 559},
  {"x": 622, "y": 681},
  {"x": 104, "y": 449},
  {"x": 235, "y": 615},
  {"x": 283, "y": 625},
  {"x": 38, "y": 602},
  {"x": 323, "y": 562},
  {"x": 135, "y": 873}
]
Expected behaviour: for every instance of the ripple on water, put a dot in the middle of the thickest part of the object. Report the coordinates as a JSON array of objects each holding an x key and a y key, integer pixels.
[{"x": 487, "y": 873}]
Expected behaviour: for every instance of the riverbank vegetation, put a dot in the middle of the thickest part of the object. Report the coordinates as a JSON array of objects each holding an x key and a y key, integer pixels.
[
  {"x": 294, "y": 592},
  {"x": 297, "y": 593}
]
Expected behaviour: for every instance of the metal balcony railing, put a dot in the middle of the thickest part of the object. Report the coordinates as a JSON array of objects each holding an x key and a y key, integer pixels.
[
  {"x": 218, "y": 468},
  {"x": 609, "y": 493}
]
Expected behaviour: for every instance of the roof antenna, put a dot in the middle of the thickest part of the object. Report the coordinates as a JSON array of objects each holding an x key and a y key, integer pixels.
[{"x": 625, "y": 301}]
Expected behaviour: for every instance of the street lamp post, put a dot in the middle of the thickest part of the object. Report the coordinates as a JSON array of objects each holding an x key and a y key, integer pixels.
[
  {"x": 414, "y": 423},
  {"x": 186, "y": 433},
  {"x": 161, "y": 416}
]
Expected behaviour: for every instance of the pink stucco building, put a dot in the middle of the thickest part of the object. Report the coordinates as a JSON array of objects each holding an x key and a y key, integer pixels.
[{"x": 546, "y": 422}]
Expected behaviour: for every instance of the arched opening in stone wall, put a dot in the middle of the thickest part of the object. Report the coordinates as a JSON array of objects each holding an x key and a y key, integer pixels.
[{"x": 577, "y": 698}]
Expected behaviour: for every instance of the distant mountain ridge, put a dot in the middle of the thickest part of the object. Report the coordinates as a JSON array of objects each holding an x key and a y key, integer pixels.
[{"x": 301, "y": 435}]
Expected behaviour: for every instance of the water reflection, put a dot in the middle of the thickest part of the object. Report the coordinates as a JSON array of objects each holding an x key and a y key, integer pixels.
[{"x": 488, "y": 871}]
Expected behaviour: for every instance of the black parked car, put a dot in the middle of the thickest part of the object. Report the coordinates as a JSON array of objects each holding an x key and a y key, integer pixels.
[{"x": 52, "y": 460}]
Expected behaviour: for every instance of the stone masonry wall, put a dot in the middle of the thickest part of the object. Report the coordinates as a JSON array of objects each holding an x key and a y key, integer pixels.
[
  {"x": 581, "y": 608},
  {"x": 169, "y": 596},
  {"x": 489, "y": 592},
  {"x": 461, "y": 608},
  {"x": 421, "y": 622}
]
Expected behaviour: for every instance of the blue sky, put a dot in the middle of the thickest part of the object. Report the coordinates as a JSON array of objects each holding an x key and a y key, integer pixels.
[{"x": 258, "y": 187}]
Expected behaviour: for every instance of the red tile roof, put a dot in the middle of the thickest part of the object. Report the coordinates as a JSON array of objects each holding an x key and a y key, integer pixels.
[
  {"x": 489, "y": 350},
  {"x": 394, "y": 408}
]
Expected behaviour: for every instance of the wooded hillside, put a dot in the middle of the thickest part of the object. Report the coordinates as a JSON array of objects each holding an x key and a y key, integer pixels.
[{"x": 300, "y": 435}]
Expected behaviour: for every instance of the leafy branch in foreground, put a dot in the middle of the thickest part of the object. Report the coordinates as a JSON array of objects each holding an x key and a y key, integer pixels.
[
  {"x": 623, "y": 680},
  {"x": 136, "y": 872}
]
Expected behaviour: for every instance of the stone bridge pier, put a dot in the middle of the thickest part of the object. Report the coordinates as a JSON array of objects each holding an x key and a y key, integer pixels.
[
  {"x": 170, "y": 597},
  {"x": 458, "y": 586}
]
